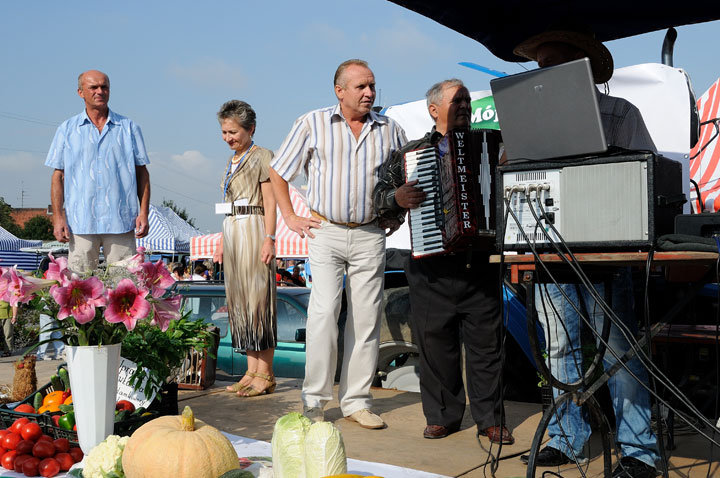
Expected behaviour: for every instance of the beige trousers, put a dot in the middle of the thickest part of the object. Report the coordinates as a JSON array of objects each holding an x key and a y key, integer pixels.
[
  {"x": 85, "y": 249},
  {"x": 358, "y": 253}
]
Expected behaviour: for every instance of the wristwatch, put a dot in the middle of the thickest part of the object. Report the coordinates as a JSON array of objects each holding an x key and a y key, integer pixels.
[{"x": 271, "y": 236}]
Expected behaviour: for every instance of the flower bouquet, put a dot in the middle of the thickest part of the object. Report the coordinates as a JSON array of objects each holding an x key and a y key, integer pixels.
[
  {"x": 95, "y": 312},
  {"x": 99, "y": 308}
]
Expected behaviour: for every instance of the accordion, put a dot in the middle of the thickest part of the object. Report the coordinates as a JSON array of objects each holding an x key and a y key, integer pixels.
[{"x": 458, "y": 178}]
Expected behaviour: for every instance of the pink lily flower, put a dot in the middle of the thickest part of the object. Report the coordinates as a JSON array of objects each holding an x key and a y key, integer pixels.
[
  {"x": 127, "y": 304},
  {"x": 16, "y": 288},
  {"x": 58, "y": 270},
  {"x": 79, "y": 299},
  {"x": 155, "y": 277},
  {"x": 165, "y": 310},
  {"x": 134, "y": 263}
]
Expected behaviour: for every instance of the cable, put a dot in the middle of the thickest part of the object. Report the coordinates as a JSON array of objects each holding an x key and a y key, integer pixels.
[
  {"x": 627, "y": 334},
  {"x": 714, "y": 122},
  {"x": 650, "y": 366},
  {"x": 634, "y": 347}
]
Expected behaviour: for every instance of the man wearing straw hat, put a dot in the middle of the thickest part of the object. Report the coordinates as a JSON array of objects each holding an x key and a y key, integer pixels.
[{"x": 568, "y": 429}]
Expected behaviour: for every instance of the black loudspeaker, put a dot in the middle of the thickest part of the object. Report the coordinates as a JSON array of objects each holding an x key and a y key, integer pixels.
[{"x": 706, "y": 224}]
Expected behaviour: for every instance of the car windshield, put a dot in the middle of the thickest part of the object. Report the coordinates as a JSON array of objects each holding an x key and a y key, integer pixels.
[{"x": 303, "y": 299}]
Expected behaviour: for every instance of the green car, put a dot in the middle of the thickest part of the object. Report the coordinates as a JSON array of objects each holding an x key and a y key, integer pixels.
[{"x": 398, "y": 355}]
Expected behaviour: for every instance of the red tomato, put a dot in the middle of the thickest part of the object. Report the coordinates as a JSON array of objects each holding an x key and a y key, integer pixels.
[
  {"x": 65, "y": 460},
  {"x": 31, "y": 431},
  {"x": 62, "y": 445},
  {"x": 125, "y": 405},
  {"x": 24, "y": 447},
  {"x": 76, "y": 453},
  {"x": 4, "y": 432},
  {"x": 25, "y": 408},
  {"x": 30, "y": 466},
  {"x": 45, "y": 438},
  {"x": 19, "y": 460},
  {"x": 49, "y": 467},
  {"x": 18, "y": 424},
  {"x": 8, "y": 460},
  {"x": 43, "y": 449},
  {"x": 10, "y": 441}
]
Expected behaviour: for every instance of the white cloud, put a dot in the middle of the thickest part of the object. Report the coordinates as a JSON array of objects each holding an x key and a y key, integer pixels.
[
  {"x": 210, "y": 72},
  {"x": 405, "y": 40}
]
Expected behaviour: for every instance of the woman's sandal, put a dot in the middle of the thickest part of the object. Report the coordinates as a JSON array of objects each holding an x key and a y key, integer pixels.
[
  {"x": 238, "y": 387},
  {"x": 251, "y": 391}
]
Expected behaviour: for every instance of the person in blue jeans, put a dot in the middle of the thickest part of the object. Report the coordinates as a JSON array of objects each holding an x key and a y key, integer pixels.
[
  {"x": 569, "y": 430},
  {"x": 54, "y": 349}
]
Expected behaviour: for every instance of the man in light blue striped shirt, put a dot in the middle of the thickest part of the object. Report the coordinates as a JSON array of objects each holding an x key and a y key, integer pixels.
[
  {"x": 341, "y": 148},
  {"x": 99, "y": 177}
]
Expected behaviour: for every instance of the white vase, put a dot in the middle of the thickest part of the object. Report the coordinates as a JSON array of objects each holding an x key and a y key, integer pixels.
[{"x": 93, "y": 379}]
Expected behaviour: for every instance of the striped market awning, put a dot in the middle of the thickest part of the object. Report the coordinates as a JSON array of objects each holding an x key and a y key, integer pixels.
[
  {"x": 287, "y": 243},
  {"x": 168, "y": 232},
  {"x": 10, "y": 242},
  {"x": 705, "y": 163}
]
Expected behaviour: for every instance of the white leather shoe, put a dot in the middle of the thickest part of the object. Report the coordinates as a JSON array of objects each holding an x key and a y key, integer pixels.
[{"x": 367, "y": 419}]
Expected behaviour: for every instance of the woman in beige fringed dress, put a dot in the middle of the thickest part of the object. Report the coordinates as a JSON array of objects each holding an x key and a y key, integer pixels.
[{"x": 247, "y": 249}]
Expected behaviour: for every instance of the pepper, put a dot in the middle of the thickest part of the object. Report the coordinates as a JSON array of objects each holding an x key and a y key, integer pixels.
[{"x": 67, "y": 421}]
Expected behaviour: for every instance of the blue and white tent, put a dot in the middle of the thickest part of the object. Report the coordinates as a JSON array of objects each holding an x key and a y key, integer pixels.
[
  {"x": 10, "y": 254},
  {"x": 169, "y": 233}
]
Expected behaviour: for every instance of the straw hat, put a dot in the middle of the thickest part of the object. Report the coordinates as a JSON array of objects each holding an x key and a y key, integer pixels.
[{"x": 601, "y": 60}]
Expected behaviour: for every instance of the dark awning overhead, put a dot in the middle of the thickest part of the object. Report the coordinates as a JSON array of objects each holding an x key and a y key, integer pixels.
[{"x": 502, "y": 25}]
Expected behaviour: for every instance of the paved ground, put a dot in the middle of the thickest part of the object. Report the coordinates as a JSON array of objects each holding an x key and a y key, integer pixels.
[{"x": 459, "y": 455}]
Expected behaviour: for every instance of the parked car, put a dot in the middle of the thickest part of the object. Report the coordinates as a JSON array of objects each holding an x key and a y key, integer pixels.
[{"x": 397, "y": 359}]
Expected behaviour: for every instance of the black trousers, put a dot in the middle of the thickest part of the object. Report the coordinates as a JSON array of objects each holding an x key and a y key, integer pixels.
[{"x": 453, "y": 304}]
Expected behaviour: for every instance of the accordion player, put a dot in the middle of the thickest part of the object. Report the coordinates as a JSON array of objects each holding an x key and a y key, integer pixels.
[{"x": 457, "y": 176}]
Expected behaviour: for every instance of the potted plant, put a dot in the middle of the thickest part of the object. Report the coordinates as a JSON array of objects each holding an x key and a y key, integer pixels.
[
  {"x": 160, "y": 355},
  {"x": 95, "y": 312}
]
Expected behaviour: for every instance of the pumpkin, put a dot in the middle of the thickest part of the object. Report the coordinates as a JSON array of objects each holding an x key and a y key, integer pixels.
[{"x": 178, "y": 446}]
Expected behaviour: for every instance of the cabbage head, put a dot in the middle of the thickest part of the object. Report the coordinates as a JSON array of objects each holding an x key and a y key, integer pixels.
[
  {"x": 288, "y": 445},
  {"x": 324, "y": 451}
]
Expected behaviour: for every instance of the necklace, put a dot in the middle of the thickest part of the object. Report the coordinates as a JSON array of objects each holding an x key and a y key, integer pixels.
[{"x": 237, "y": 158}]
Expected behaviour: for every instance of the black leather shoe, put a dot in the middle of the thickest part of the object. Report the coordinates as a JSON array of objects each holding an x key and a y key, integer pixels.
[
  {"x": 630, "y": 467},
  {"x": 548, "y": 456}
]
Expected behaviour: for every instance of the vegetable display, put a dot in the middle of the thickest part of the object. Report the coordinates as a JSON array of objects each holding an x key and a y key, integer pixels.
[
  {"x": 288, "y": 445},
  {"x": 178, "y": 446},
  {"x": 105, "y": 460},
  {"x": 324, "y": 451},
  {"x": 302, "y": 449},
  {"x": 24, "y": 449}
]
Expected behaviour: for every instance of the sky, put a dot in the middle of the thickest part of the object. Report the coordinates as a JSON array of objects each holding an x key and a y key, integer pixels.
[{"x": 173, "y": 64}]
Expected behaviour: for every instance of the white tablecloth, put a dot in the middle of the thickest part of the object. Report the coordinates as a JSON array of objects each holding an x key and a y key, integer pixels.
[{"x": 249, "y": 447}]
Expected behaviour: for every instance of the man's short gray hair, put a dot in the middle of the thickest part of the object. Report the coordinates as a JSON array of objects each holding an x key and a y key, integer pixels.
[
  {"x": 239, "y": 111},
  {"x": 435, "y": 93},
  {"x": 338, "y": 79}
]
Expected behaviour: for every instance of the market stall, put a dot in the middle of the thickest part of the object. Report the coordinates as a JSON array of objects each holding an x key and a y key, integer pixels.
[
  {"x": 168, "y": 233},
  {"x": 12, "y": 255}
]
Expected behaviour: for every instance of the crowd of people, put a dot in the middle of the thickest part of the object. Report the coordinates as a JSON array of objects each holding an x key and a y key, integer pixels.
[{"x": 357, "y": 194}]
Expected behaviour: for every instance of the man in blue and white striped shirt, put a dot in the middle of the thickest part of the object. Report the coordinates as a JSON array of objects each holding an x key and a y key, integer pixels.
[{"x": 341, "y": 148}]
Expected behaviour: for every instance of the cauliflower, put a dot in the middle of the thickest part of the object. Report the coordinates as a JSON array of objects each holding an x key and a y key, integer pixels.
[{"x": 105, "y": 460}]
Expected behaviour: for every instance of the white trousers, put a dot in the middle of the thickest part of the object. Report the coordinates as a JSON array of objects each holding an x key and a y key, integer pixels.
[
  {"x": 84, "y": 249},
  {"x": 358, "y": 253}
]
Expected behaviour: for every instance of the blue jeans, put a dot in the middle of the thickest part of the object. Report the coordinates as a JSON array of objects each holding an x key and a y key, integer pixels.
[
  {"x": 630, "y": 400},
  {"x": 47, "y": 348}
]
